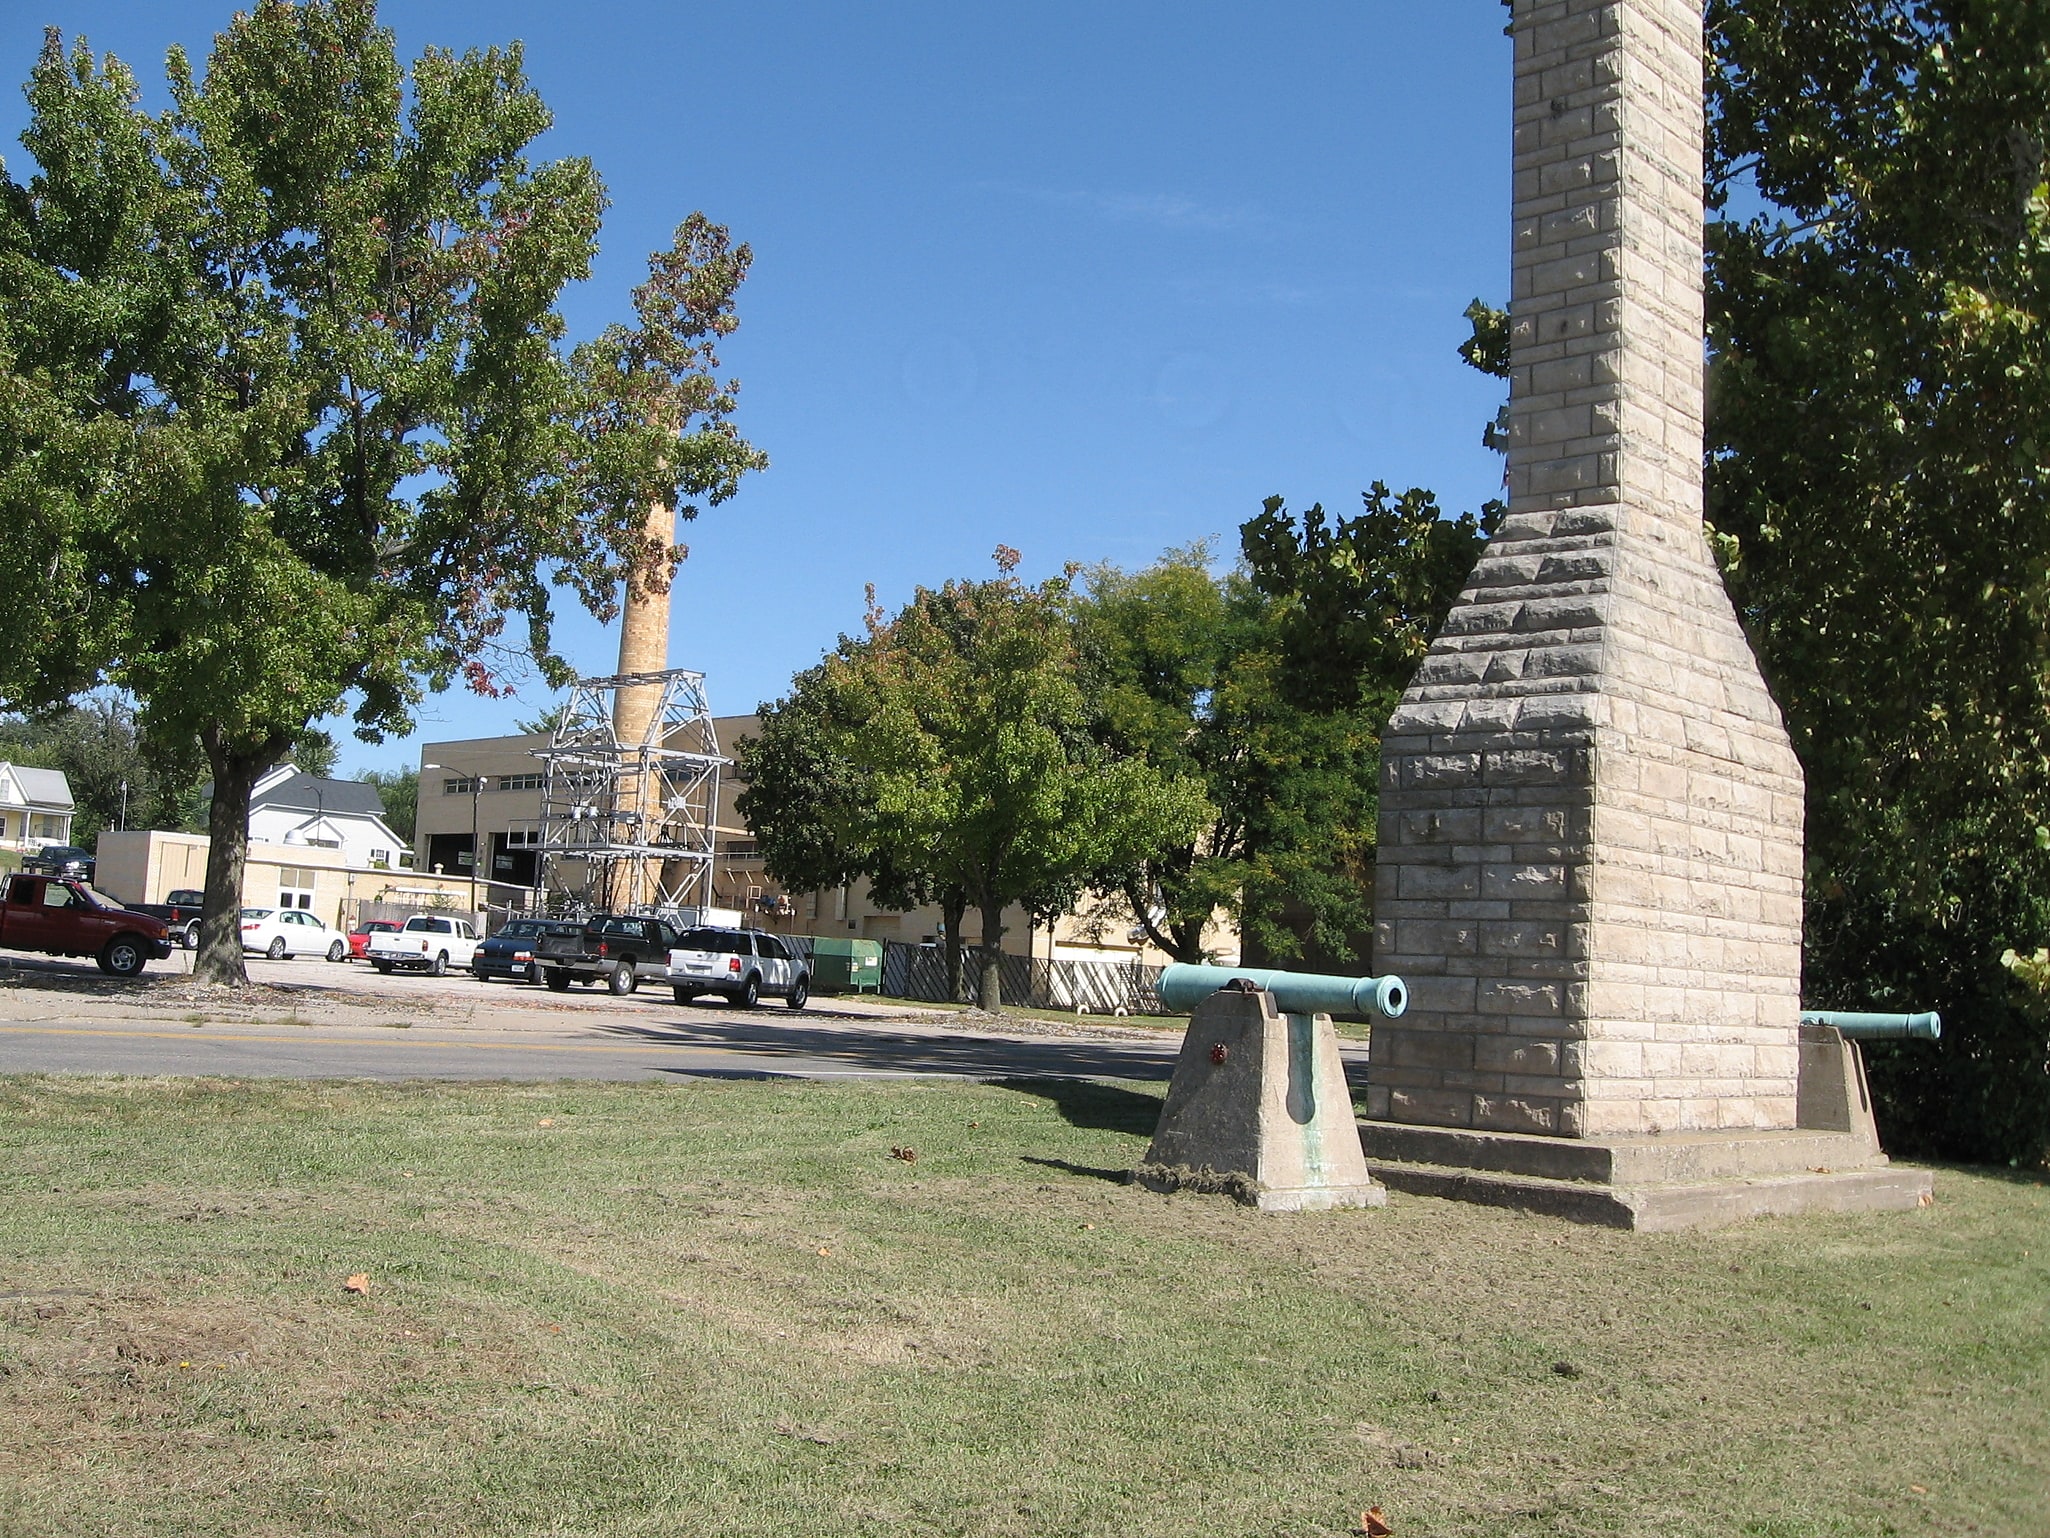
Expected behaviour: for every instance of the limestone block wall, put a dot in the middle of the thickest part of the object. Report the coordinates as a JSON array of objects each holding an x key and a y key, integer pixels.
[{"x": 1590, "y": 864}]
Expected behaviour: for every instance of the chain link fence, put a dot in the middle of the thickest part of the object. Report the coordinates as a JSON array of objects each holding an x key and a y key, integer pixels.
[{"x": 1101, "y": 987}]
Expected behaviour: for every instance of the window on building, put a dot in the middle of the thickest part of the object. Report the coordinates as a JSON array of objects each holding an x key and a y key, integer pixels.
[
  {"x": 295, "y": 886},
  {"x": 523, "y": 838},
  {"x": 458, "y": 787},
  {"x": 519, "y": 782}
]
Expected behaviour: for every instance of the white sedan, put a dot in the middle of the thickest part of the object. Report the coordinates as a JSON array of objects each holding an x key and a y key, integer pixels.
[{"x": 281, "y": 932}]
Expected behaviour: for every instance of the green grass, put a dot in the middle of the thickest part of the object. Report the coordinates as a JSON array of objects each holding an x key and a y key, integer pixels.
[{"x": 725, "y": 1308}]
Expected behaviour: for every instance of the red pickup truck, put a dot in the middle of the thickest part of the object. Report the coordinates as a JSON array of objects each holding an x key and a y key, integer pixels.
[{"x": 63, "y": 916}]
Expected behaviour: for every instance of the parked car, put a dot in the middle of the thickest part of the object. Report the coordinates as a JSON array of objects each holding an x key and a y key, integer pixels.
[
  {"x": 62, "y": 860},
  {"x": 63, "y": 916},
  {"x": 281, "y": 932},
  {"x": 428, "y": 941},
  {"x": 737, "y": 964},
  {"x": 180, "y": 911},
  {"x": 359, "y": 937},
  {"x": 617, "y": 949},
  {"x": 510, "y": 952}
]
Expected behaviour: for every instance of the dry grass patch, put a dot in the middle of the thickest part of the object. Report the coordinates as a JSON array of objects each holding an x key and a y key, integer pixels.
[{"x": 724, "y": 1308}]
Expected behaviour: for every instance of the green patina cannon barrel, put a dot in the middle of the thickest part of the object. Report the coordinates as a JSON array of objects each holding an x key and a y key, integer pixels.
[
  {"x": 1927, "y": 1026},
  {"x": 1183, "y": 986}
]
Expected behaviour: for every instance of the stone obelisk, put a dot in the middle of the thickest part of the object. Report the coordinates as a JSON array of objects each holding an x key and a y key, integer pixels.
[{"x": 1591, "y": 817}]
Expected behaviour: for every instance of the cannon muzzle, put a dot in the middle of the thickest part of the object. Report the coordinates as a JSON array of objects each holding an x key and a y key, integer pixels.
[
  {"x": 1927, "y": 1026},
  {"x": 1183, "y": 986}
]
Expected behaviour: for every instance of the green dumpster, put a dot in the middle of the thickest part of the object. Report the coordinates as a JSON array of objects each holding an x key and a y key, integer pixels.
[{"x": 846, "y": 966}]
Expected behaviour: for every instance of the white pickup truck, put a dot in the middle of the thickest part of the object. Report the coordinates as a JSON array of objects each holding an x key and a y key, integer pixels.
[{"x": 430, "y": 942}]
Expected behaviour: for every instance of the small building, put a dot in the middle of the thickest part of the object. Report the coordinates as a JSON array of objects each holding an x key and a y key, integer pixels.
[
  {"x": 290, "y": 808},
  {"x": 35, "y": 808},
  {"x": 146, "y": 865}
]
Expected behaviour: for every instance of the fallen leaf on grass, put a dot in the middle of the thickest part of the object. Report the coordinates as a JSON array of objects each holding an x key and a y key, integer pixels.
[
  {"x": 357, "y": 1283},
  {"x": 548, "y": 1121},
  {"x": 825, "y": 1249},
  {"x": 1918, "y": 1489},
  {"x": 1374, "y": 1523}
]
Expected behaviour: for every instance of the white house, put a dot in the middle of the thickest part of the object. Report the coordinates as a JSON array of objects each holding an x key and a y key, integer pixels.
[
  {"x": 290, "y": 808},
  {"x": 35, "y": 808}
]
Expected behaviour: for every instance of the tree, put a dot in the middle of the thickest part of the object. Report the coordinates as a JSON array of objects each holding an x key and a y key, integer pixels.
[
  {"x": 113, "y": 782},
  {"x": 806, "y": 800},
  {"x": 1878, "y": 445},
  {"x": 1271, "y": 687},
  {"x": 285, "y": 423},
  {"x": 1155, "y": 648},
  {"x": 947, "y": 756},
  {"x": 398, "y": 791}
]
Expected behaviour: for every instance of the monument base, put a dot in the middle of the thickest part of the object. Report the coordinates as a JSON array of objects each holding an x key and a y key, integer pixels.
[
  {"x": 1652, "y": 1184},
  {"x": 1168, "y": 1178}
]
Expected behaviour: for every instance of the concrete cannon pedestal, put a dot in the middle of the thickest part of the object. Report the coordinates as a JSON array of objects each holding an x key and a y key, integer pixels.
[{"x": 1259, "y": 1110}]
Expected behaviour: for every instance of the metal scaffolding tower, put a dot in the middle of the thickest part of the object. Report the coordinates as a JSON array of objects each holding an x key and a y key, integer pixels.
[{"x": 628, "y": 826}]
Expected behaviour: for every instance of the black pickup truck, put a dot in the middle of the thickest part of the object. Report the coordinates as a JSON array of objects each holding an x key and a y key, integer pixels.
[
  {"x": 180, "y": 912},
  {"x": 616, "y": 948}
]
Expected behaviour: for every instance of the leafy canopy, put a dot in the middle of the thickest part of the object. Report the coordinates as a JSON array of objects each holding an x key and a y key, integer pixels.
[
  {"x": 946, "y": 752},
  {"x": 1879, "y": 479},
  {"x": 286, "y": 422}
]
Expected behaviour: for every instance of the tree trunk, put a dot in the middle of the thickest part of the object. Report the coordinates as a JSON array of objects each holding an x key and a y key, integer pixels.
[
  {"x": 219, "y": 959},
  {"x": 953, "y": 908},
  {"x": 990, "y": 995}
]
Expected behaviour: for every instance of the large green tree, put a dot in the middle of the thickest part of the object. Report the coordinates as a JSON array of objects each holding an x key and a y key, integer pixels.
[
  {"x": 287, "y": 426},
  {"x": 807, "y": 800},
  {"x": 954, "y": 756},
  {"x": 1270, "y": 686},
  {"x": 1879, "y": 477}
]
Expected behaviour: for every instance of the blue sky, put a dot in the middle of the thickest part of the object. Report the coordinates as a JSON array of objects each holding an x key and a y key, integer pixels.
[{"x": 1087, "y": 279}]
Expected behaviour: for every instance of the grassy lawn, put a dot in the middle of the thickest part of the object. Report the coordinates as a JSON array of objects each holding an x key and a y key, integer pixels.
[{"x": 726, "y": 1308}]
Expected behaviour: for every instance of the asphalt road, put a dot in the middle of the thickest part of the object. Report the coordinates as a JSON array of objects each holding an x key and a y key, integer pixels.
[{"x": 315, "y": 1020}]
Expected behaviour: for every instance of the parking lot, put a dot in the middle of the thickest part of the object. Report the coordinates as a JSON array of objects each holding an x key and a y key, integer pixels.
[{"x": 318, "y": 1019}]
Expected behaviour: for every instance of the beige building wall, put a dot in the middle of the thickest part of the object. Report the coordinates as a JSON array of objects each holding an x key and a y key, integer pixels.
[{"x": 146, "y": 866}]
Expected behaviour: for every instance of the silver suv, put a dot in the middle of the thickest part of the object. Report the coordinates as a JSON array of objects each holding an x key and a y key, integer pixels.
[{"x": 737, "y": 964}]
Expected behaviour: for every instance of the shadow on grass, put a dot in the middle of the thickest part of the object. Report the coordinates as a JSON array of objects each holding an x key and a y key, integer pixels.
[
  {"x": 793, "y": 1043},
  {"x": 2010, "y": 1174},
  {"x": 1097, "y": 1107},
  {"x": 1115, "y": 1177}
]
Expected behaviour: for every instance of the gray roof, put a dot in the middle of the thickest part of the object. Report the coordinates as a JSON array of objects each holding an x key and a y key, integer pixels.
[
  {"x": 42, "y": 787},
  {"x": 304, "y": 793}
]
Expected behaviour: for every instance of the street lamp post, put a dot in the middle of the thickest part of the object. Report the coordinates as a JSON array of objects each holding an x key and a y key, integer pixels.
[{"x": 476, "y": 795}]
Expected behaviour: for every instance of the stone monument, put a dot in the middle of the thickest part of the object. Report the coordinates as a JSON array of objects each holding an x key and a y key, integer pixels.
[{"x": 1591, "y": 816}]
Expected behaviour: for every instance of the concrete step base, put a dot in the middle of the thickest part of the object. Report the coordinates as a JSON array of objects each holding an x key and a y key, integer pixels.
[{"x": 1665, "y": 1208}]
